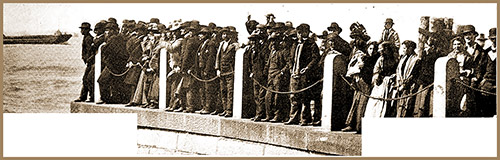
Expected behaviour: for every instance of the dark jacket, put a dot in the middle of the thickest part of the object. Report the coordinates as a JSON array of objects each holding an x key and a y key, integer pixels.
[
  {"x": 306, "y": 54},
  {"x": 206, "y": 57},
  {"x": 87, "y": 48},
  {"x": 114, "y": 55}
]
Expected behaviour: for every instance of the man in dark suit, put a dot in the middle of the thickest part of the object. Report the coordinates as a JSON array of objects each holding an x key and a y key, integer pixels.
[
  {"x": 278, "y": 75},
  {"x": 135, "y": 51},
  {"x": 206, "y": 60},
  {"x": 225, "y": 64},
  {"x": 88, "y": 87},
  {"x": 114, "y": 58},
  {"x": 190, "y": 85},
  {"x": 306, "y": 57}
]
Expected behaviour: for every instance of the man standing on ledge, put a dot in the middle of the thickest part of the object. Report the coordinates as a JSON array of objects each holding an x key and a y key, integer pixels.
[
  {"x": 88, "y": 86},
  {"x": 306, "y": 56},
  {"x": 389, "y": 34}
]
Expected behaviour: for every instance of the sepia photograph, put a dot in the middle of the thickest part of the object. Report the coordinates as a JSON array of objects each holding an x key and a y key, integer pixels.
[{"x": 248, "y": 79}]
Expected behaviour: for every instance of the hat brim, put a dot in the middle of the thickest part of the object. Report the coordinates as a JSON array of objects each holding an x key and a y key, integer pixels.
[{"x": 334, "y": 28}]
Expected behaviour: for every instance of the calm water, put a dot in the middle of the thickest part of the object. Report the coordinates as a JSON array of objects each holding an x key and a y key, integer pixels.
[{"x": 40, "y": 78}]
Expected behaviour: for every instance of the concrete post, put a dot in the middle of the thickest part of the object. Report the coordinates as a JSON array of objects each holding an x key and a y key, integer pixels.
[
  {"x": 97, "y": 73},
  {"x": 238, "y": 85},
  {"x": 162, "y": 101},
  {"x": 336, "y": 93},
  {"x": 445, "y": 100}
]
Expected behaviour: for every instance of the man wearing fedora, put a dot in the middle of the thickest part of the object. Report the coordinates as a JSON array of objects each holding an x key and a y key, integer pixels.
[
  {"x": 206, "y": 60},
  {"x": 487, "y": 74},
  {"x": 303, "y": 74},
  {"x": 224, "y": 64},
  {"x": 389, "y": 34},
  {"x": 258, "y": 68},
  {"x": 339, "y": 44},
  {"x": 135, "y": 51},
  {"x": 468, "y": 32},
  {"x": 278, "y": 75},
  {"x": 114, "y": 58},
  {"x": 481, "y": 40},
  {"x": 88, "y": 87},
  {"x": 189, "y": 66}
]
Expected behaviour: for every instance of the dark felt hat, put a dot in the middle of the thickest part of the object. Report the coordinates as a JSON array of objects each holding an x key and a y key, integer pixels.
[
  {"x": 303, "y": 26},
  {"x": 334, "y": 27},
  {"x": 154, "y": 20},
  {"x": 463, "y": 30},
  {"x": 85, "y": 25},
  {"x": 111, "y": 19},
  {"x": 481, "y": 37},
  {"x": 389, "y": 20}
]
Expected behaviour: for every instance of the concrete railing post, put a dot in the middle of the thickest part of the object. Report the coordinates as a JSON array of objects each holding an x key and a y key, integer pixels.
[
  {"x": 97, "y": 73},
  {"x": 445, "y": 100},
  {"x": 238, "y": 84},
  {"x": 336, "y": 93},
  {"x": 162, "y": 101}
]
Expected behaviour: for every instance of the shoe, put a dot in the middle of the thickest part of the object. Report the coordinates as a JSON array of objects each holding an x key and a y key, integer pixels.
[
  {"x": 228, "y": 115},
  {"x": 100, "y": 102},
  {"x": 205, "y": 112},
  {"x": 79, "y": 100},
  {"x": 215, "y": 113},
  {"x": 153, "y": 106},
  {"x": 304, "y": 124},
  {"x": 257, "y": 119},
  {"x": 222, "y": 114},
  {"x": 188, "y": 111},
  {"x": 90, "y": 101},
  {"x": 291, "y": 123},
  {"x": 276, "y": 120},
  {"x": 146, "y": 105},
  {"x": 131, "y": 104},
  {"x": 179, "y": 110},
  {"x": 347, "y": 129},
  {"x": 317, "y": 123},
  {"x": 266, "y": 120}
]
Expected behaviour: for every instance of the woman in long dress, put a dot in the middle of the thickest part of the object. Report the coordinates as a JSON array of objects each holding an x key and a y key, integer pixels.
[{"x": 383, "y": 78}]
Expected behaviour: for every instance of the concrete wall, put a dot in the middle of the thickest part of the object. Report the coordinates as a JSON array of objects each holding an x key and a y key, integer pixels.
[{"x": 215, "y": 129}]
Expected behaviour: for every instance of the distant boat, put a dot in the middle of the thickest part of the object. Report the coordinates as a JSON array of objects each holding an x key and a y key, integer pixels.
[{"x": 57, "y": 38}]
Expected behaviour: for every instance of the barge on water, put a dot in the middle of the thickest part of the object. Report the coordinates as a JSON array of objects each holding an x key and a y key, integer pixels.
[{"x": 57, "y": 38}]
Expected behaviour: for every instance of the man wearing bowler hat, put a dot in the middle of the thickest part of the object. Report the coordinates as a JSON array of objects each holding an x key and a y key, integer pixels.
[
  {"x": 389, "y": 34},
  {"x": 305, "y": 59},
  {"x": 88, "y": 87}
]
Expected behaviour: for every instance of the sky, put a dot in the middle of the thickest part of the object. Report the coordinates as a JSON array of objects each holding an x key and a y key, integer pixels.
[{"x": 40, "y": 18}]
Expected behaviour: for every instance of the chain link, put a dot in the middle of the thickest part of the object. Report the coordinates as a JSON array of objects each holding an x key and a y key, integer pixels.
[
  {"x": 475, "y": 89},
  {"x": 387, "y": 99},
  {"x": 288, "y": 92},
  {"x": 211, "y": 79}
]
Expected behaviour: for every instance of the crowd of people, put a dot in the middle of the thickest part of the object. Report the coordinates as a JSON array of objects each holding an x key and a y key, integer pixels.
[{"x": 283, "y": 68}]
